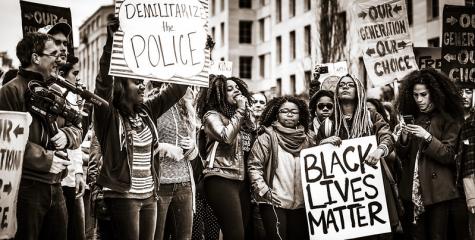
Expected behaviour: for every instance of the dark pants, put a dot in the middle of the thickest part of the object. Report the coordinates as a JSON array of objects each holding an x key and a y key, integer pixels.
[
  {"x": 230, "y": 201},
  {"x": 41, "y": 211},
  {"x": 257, "y": 225},
  {"x": 133, "y": 219},
  {"x": 175, "y": 211},
  {"x": 432, "y": 224},
  {"x": 458, "y": 220},
  {"x": 75, "y": 207},
  {"x": 205, "y": 223},
  {"x": 292, "y": 224},
  {"x": 89, "y": 219}
]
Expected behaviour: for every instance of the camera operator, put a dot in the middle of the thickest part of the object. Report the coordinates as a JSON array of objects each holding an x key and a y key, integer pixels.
[{"x": 41, "y": 209}]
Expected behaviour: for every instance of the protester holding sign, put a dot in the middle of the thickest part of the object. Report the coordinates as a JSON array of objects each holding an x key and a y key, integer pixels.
[
  {"x": 129, "y": 144},
  {"x": 432, "y": 111},
  {"x": 224, "y": 112},
  {"x": 354, "y": 120},
  {"x": 274, "y": 168},
  {"x": 41, "y": 207}
]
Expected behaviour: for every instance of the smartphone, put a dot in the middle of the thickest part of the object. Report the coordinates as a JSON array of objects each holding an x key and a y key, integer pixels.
[
  {"x": 323, "y": 69},
  {"x": 408, "y": 119}
]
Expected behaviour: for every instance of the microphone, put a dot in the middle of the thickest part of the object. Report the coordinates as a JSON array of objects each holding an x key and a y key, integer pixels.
[{"x": 85, "y": 94}]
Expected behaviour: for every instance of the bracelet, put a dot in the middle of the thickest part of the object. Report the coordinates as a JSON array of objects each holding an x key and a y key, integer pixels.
[
  {"x": 385, "y": 150},
  {"x": 429, "y": 138}
]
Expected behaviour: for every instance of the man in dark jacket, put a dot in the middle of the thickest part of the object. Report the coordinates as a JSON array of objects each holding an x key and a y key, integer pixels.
[{"x": 41, "y": 210}]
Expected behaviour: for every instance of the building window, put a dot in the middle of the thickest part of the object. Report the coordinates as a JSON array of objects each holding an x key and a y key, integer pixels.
[
  {"x": 291, "y": 8},
  {"x": 292, "y": 85},
  {"x": 292, "y": 45},
  {"x": 308, "y": 79},
  {"x": 262, "y": 65},
  {"x": 222, "y": 5},
  {"x": 245, "y": 3},
  {"x": 278, "y": 83},
  {"x": 433, "y": 42},
  {"x": 432, "y": 9},
  {"x": 278, "y": 11},
  {"x": 213, "y": 7},
  {"x": 213, "y": 33},
  {"x": 262, "y": 30},
  {"x": 222, "y": 34},
  {"x": 245, "y": 31},
  {"x": 308, "y": 40},
  {"x": 409, "y": 12},
  {"x": 307, "y": 5},
  {"x": 278, "y": 47},
  {"x": 264, "y": 2},
  {"x": 245, "y": 67}
]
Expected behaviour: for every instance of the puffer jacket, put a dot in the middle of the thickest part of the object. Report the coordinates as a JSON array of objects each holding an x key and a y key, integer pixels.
[{"x": 229, "y": 159}]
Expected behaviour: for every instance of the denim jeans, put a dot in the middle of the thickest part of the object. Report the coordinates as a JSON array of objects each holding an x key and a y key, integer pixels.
[
  {"x": 175, "y": 211},
  {"x": 41, "y": 211},
  {"x": 76, "y": 215},
  {"x": 133, "y": 219}
]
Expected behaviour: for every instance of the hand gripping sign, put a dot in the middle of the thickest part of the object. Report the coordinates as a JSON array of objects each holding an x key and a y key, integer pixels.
[
  {"x": 163, "y": 38},
  {"x": 344, "y": 197},
  {"x": 14, "y": 130}
]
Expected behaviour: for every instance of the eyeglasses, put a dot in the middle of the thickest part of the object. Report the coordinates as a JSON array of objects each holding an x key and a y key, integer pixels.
[
  {"x": 260, "y": 101},
  {"x": 321, "y": 106},
  {"x": 287, "y": 111},
  {"x": 347, "y": 84}
]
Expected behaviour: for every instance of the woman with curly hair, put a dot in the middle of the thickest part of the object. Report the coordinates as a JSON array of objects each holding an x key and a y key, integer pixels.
[
  {"x": 224, "y": 112},
  {"x": 427, "y": 148},
  {"x": 274, "y": 168},
  {"x": 321, "y": 110}
]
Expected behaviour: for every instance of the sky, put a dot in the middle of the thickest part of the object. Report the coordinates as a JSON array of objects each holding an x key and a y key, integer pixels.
[{"x": 10, "y": 20}]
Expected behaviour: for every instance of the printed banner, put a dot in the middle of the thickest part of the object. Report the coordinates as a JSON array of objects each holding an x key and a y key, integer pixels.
[
  {"x": 14, "y": 130},
  {"x": 384, "y": 35},
  {"x": 344, "y": 198},
  {"x": 162, "y": 40},
  {"x": 222, "y": 68},
  {"x": 458, "y": 43},
  {"x": 428, "y": 57},
  {"x": 35, "y": 16}
]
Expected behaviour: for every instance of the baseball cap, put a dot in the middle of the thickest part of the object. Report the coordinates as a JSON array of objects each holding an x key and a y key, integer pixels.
[{"x": 58, "y": 27}]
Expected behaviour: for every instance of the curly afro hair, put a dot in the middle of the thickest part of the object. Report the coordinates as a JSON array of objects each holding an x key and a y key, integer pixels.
[
  {"x": 444, "y": 94},
  {"x": 269, "y": 115},
  {"x": 314, "y": 99}
]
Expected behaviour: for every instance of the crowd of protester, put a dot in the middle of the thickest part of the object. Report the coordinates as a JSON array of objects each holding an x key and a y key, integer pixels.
[{"x": 169, "y": 161}]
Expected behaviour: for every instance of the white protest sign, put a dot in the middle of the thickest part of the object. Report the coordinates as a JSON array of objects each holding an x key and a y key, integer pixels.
[
  {"x": 222, "y": 68},
  {"x": 384, "y": 35},
  {"x": 344, "y": 198},
  {"x": 14, "y": 130},
  {"x": 162, "y": 40}
]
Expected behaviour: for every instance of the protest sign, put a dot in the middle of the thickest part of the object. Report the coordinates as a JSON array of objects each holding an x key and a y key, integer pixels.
[
  {"x": 384, "y": 35},
  {"x": 458, "y": 43},
  {"x": 428, "y": 57},
  {"x": 344, "y": 198},
  {"x": 14, "y": 130},
  {"x": 35, "y": 16},
  {"x": 162, "y": 40},
  {"x": 222, "y": 68},
  {"x": 333, "y": 71}
]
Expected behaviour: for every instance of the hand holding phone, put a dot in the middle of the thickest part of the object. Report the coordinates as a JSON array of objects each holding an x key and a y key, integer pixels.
[{"x": 408, "y": 119}]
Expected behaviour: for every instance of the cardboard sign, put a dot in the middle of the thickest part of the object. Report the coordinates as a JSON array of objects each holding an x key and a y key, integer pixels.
[
  {"x": 458, "y": 43},
  {"x": 335, "y": 71},
  {"x": 14, "y": 130},
  {"x": 428, "y": 57},
  {"x": 35, "y": 16},
  {"x": 222, "y": 68},
  {"x": 384, "y": 34},
  {"x": 162, "y": 40},
  {"x": 344, "y": 198}
]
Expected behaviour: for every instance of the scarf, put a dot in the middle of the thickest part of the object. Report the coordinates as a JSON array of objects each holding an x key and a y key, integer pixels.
[{"x": 290, "y": 139}]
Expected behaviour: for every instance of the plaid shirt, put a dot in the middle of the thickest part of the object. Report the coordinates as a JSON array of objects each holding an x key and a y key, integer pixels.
[{"x": 465, "y": 158}]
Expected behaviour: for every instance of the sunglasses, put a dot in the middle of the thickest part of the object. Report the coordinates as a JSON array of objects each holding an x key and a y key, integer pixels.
[{"x": 321, "y": 106}]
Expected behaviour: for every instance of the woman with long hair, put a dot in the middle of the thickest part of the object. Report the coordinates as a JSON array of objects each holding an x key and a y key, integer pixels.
[
  {"x": 274, "y": 168},
  {"x": 129, "y": 144},
  {"x": 225, "y": 116},
  {"x": 427, "y": 147}
]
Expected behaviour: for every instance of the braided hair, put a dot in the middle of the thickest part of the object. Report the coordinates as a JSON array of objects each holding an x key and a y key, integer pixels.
[
  {"x": 269, "y": 115},
  {"x": 444, "y": 94},
  {"x": 361, "y": 124}
]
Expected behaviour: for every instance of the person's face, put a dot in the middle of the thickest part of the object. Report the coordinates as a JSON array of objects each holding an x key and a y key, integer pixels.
[
  {"x": 421, "y": 96},
  {"x": 371, "y": 106},
  {"x": 288, "y": 115},
  {"x": 346, "y": 89},
  {"x": 232, "y": 91},
  {"x": 467, "y": 94},
  {"x": 62, "y": 42},
  {"x": 258, "y": 104},
  {"x": 135, "y": 91},
  {"x": 47, "y": 60},
  {"x": 324, "y": 107},
  {"x": 72, "y": 74}
]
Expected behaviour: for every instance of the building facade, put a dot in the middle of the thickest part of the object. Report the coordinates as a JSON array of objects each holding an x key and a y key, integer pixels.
[{"x": 92, "y": 36}]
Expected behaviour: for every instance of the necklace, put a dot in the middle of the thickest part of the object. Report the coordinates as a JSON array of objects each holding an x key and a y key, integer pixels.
[{"x": 136, "y": 121}]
